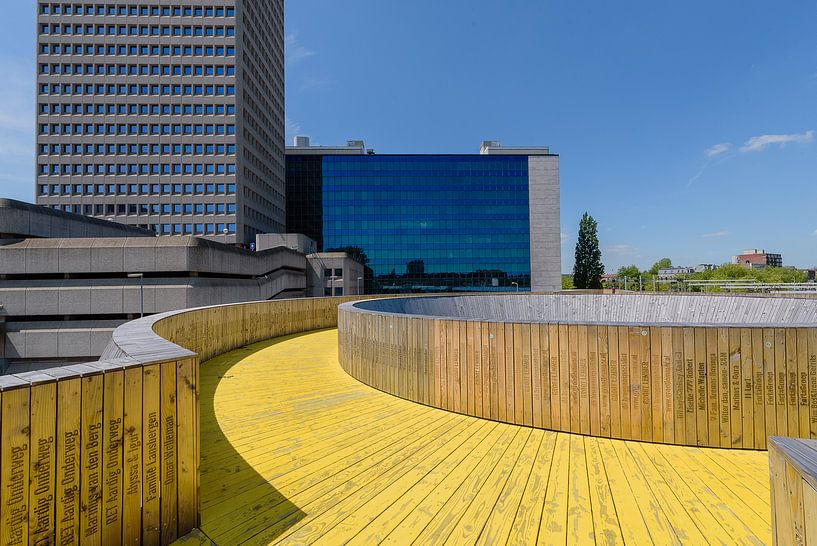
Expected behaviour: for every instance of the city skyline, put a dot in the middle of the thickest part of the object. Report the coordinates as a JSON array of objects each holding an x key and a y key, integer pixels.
[{"x": 675, "y": 129}]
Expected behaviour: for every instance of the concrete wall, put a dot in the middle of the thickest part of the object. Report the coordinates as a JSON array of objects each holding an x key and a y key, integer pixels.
[
  {"x": 545, "y": 225},
  {"x": 27, "y": 220},
  {"x": 140, "y": 255},
  {"x": 77, "y": 279},
  {"x": 294, "y": 241},
  {"x": 318, "y": 281}
]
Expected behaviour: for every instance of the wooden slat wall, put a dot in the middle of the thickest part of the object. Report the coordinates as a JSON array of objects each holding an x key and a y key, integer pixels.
[
  {"x": 109, "y": 452},
  {"x": 717, "y": 387},
  {"x": 793, "y": 475}
]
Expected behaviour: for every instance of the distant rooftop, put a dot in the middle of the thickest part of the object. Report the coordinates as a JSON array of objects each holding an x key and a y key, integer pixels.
[
  {"x": 302, "y": 146},
  {"x": 494, "y": 147}
]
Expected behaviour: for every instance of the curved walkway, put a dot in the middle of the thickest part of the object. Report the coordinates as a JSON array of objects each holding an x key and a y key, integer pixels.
[{"x": 296, "y": 451}]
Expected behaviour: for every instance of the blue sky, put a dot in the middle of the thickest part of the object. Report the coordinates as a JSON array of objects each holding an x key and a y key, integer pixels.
[{"x": 686, "y": 128}]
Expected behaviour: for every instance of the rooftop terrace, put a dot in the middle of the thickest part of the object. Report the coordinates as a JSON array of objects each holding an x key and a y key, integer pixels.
[{"x": 294, "y": 450}]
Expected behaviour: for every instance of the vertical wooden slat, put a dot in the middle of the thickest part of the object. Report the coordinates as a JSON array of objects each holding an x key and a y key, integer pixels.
[
  {"x": 151, "y": 453},
  {"x": 466, "y": 371},
  {"x": 43, "y": 455},
  {"x": 564, "y": 378},
  {"x": 168, "y": 453},
  {"x": 781, "y": 381},
  {"x": 555, "y": 381},
  {"x": 712, "y": 399},
  {"x": 584, "y": 380},
  {"x": 625, "y": 400},
  {"x": 132, "y": 487},
  {"x": 812, "y": 380},
  {"x": 792, "y": 406},
  {"x": 660, "y": 375},
  {"x": 724, "y": 413},
  {"x": 511, "y": 377},
  {"x": 669, "y": 389},
  {"x": 615, "y": 381},
  {"x": 809, "y": 512},
  {"x": 523, "y": 374},
  {"x": 437, "y": 335},
  {"x": 770, "y": 376},
  {"x": 536, "y": 373},
  {"x": 186, "y": 418},
  {"x": 636, "y": 371},
  {"x": 572, "y": 385},
  {"x": 14, "y": 465},
  {"x": 487, "y": 377},
  {"x": 604, "y": 381},
  {"x": 593, "y": 379},
  {"x": 680, "y": 382},
  {"x": 470, "y": 354},
  {"x": 92, "y": 448},
  {"x": 701, "y": 387},
  {"x": 112, "y": 434},
  {"x": 498, "y": 352},
  {"x": 802, "y": 383},
  {"x": 69, "y": 449},
  {"x": 645, "y": 374},
  {"x": 495, "y": 372}
]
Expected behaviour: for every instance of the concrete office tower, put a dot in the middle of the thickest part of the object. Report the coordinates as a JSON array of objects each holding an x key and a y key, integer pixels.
[{"x": 167, "y": 115}]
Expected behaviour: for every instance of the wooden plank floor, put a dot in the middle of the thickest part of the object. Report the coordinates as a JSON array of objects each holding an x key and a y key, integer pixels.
[{"x": 295, "y": 451}]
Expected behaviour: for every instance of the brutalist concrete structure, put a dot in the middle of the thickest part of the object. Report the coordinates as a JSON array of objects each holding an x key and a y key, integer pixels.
[
  {"x": 60, "y": 297},
  {"x": 164, "y": 115}
]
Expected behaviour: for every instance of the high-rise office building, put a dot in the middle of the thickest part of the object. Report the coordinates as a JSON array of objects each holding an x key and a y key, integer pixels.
[
  {"x": 165, "y": 114},
  {"x": 432, "y": 223}
]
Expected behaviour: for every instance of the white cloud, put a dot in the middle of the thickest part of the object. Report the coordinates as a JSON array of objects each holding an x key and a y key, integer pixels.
[
  {"x": 814, "y": 233},
  {"x": 718, "y": 149},
  {"x": 294, "y": 51},
  {"x": 565, "y": 237},
  {"x": 721, "y": 233},
  {"x": 622, "y": 250},
  {"x": 759, "y": 143}
]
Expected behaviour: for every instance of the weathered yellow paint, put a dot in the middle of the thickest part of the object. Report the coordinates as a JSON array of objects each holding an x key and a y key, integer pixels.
[{"x": 295, "y": 450}]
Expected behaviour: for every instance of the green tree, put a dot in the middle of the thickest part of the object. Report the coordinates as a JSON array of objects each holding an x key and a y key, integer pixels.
[
  {"x": 630, "y": 271},
  {"x": 660, "y": 264},
  {"x": 588, "y": 269},
  {"x": 567, "y": 282}
]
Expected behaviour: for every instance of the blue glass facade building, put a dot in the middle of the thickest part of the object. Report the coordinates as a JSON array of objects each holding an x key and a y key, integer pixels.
[{"x": 426, "y": 223}]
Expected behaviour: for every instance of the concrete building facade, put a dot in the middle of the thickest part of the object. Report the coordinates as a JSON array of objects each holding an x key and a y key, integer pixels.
[
  {"x": 164, "y": 115},
  {"x": 66, "y": 281}
]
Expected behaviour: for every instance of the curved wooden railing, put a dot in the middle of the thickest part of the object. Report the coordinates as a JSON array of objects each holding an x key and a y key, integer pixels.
[
  {"x": 718, "y": 371},
  {"x": 108, "y": 452}
]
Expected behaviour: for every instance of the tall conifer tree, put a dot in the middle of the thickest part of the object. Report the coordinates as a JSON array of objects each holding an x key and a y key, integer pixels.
[{"x": 588, "y": 269}]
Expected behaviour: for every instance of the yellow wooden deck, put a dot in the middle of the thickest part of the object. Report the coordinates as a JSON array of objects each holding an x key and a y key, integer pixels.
[{"x": 296, "y": 451}]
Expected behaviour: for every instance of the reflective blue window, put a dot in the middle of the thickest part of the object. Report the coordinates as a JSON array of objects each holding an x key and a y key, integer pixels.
[{"x": 425, "y": 223}]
